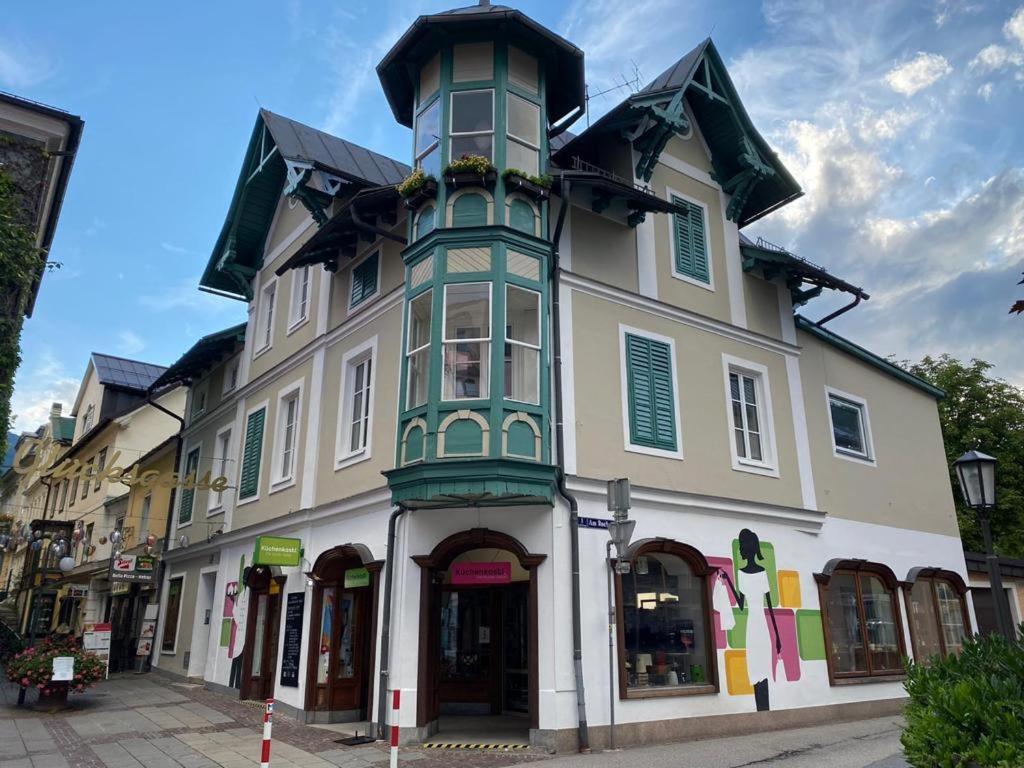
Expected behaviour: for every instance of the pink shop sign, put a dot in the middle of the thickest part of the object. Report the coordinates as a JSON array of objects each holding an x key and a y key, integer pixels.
[{"x": 481, "y": 573}]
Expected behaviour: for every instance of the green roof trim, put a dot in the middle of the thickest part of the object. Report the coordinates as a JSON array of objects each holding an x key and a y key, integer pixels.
[
  {"x": 472, "y": 483},
  {"x": 205, "y": 353},
  {"x": 868, "y": 357}
]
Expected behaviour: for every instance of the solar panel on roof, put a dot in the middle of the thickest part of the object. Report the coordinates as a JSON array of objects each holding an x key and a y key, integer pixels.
[{"x": 131, "y": 374}]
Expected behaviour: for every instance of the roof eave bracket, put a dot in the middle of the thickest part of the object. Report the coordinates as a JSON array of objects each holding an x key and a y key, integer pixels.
[
  {"x": 297, "y": 189},
  {"x": 664, "y": 123}
]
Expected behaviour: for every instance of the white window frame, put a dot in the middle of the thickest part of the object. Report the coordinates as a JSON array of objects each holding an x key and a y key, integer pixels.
[
  {"x": 624, "y": 392},
  {"x": 297, "y": 313},
  {"x": 343, "y": 455},
  {"x": 710, "y": 284},
  {"x": 278, "y": 480},
  {"x": 452, "y": 135},
  {"x": 163, "y": 613},
  {"x": 231, "y": 371},
  {"x": 518, "y": 139},
  {"x": 200, "y": 393},
  {"x": 145, "y": 512},
  {"x": 436, "y": 143},
  {"x": 265, "y": 323},
  {"x": 218, "y": 467},
  {"x": 768, "y": 466},
  {"x": 445, "y": 341},
  {"x": 366, "y": 300},
  {"x": 868, "y": 459},
  {"x": 240, "y": 453},
  {"x": 411, "y": 353},
  {"x": 88, "y": 418},
  {"x": 527, "y": 345}
]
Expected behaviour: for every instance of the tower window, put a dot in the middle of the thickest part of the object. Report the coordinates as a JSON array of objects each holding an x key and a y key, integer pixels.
[
  {"x": 473, "y": 61},
  {"x": 467, "y": 340},
  {"x": 523, "y": 135},
  {"x": 428, "y": 131},
  {"x": 522, "y": 69},
  {"x": 472, "y": 123}
]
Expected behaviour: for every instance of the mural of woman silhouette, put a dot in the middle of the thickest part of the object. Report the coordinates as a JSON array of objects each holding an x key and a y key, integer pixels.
[{"x": 753, "y": 586}]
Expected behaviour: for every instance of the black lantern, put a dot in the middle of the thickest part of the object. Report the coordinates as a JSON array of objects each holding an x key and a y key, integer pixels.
[{"x": 977, "y": 474}]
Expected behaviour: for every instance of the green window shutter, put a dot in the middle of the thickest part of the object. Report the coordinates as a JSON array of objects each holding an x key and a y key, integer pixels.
[
  {"x": 364, "y": 280},
  {"x": 521, "y": 217},
  {"x": 248, "y": 483},
  {"x": 469, "y": 210},
  {"x": 188, "y": 494},
  {"x": 651, "y": 397},
  {"x": 691, "y": 245}
]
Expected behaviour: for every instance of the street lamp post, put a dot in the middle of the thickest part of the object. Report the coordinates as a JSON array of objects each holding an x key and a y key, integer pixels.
[
  {"x": 977, "y": 474},
  {"x": 620, "y": 531}
]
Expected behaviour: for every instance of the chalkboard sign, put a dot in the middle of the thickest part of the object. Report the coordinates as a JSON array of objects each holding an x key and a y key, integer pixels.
[{"x": 292, "y": 639}]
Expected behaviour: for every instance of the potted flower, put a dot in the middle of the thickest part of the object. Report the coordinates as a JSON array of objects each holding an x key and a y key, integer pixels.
[
  {"x": 537, "y": 187},
  {"x": 417, "y": 188},
  {"x": 33, "y": 668},
  {"x": 470, "y": 170}
]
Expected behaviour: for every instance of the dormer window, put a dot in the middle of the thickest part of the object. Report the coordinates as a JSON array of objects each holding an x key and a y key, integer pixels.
[{"x": 87, "y": 420}]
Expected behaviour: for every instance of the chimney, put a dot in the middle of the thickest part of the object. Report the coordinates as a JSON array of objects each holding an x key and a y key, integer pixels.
[{"x": 55, "y": 410}]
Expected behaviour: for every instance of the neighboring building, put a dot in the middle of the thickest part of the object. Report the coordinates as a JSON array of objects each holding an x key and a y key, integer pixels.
[
  {"x": 1012, "y": 573},
  {"x": 464, "y": 367}
]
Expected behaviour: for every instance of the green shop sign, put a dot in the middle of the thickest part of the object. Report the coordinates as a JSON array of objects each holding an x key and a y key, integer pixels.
[
  {"x": 277, "y": 550},
  {"x": 357, "y": 577}
]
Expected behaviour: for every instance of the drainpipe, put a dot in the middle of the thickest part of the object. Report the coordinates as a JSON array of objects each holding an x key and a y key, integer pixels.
[
  {"x": 170, "y": 503},
  {"x": 840, "y": 311},
  {"x": 385, "y": 630},
  {"x": 574, "y": 520}
]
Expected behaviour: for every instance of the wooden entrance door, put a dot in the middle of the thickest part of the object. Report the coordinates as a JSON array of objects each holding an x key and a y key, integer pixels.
[
  {"x": 259, "y": 659},
  {"x": 343, "y": 660}
]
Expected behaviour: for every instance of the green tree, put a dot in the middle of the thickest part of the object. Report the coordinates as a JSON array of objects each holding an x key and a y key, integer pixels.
[{"x": 987, "y": 413}]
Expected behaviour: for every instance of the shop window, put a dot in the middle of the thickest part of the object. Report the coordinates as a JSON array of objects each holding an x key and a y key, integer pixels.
[
  {"x": 169, "y": 641},
  {"x": 522, "y": 345},
  {"x": 365, "y": 280},
  {"x": 417, "y": 350},
  {"x": 467, "y": 340},
  {"x": 649, "y": 393},
  {"x": 469, "y": 210},
  {"x": 665, "y": 622},
  {"x": 186, "y": 503},
  {"x": 428, "y": 139},
  {"x": 522, "y": 69},
  {"x": 425, "y": 220},
  {"x": 522, "y": 216},
  {"x": 472, "y": 62},
  {"x": 937, "y": 617},
  {"x": 851, "y": 435},
  {"x": 690, "y": 241},
  {"x": 472, "y": 124},
  {"x": 523, "y": 148},
  {"x": 252, "y": 455},
  {"x": 864, "y": 637},
  {"x": 300, "y": 296}
]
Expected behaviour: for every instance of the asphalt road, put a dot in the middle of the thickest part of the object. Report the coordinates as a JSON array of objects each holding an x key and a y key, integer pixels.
[{"x": 863, "y": 744}]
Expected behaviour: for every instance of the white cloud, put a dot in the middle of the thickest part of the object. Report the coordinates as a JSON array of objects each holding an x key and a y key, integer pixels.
[
  {"x": 1014, "y": 28},
  {"x": 185, "y": 294},
  {"x": 915, "y": 75},
  {"x": 130, "y": 343},
  {"x": 21, "y": 67},
  {"x": 37, "y": 387},
  {"x": 985, "y": 91},
  {"x": 993, "y": 58}
]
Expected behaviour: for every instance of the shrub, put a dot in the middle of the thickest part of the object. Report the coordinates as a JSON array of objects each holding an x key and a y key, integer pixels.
[
  {"x": 477, "y": 164},
  {"x": 33, "y": 667},
  {"x": 967, "y": 710}
]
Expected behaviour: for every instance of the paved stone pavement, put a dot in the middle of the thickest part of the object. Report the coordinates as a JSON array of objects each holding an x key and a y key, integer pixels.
[{"x": 148, "y": 721}]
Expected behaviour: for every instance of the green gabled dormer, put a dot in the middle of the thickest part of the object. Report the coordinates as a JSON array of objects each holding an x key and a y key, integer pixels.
[{"x": 483, "y": 88}]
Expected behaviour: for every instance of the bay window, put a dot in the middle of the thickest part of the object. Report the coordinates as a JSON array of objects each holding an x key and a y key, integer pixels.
[
  {"x": 417, "y": 349},
  {"x": 428, "y": 139},
  {"x": 472, "y": 124},
  {"x": 522, "y": 345},
  {"x": 523, "y": 147},
  {"x": 467, "y": 340}
]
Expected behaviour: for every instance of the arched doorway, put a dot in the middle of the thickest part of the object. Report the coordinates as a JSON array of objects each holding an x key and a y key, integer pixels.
[
  {"x": 478, "y": 629},
  {"x": 259, "y": 659},
  {"x": 343, "y": 628}
]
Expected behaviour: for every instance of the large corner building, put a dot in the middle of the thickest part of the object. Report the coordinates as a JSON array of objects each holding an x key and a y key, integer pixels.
[{"x": 440, "y": 373}]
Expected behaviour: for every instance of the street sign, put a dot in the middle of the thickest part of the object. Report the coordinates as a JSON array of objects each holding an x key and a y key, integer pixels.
[{"x": 597, "y": 523}]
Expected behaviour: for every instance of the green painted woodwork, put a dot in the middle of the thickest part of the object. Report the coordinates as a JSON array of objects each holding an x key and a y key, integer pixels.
[
  {"x": 469, "y": 210},
  {"x": 463, "y": 437},
  {"x": 297, "y": 190},
  {"x": 662, "y": 125},
  {"x": 521, "y": 439},
  {"x": 522, "y": 217},
  {"x": 472, "y": 482},
  {"x": 767, "y": 561},
  {"x": 868, "y": 357},
  {"x": 252, "y": 455},
  {"x": 649, "y": 383},
  {"x": 810, "y": 635},
  {"x": 364, "y": 279},
  {"x": 690, "y": 241},
  {"x": 414, "y": 445},
  {"x": 425, "y": 221},
  {"x": 185, "y": 504}
]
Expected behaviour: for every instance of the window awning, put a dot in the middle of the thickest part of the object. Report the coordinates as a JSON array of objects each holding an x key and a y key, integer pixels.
[
  {"x": 805, "y": 279},
  {"x": 606, "y": 188},
  {"x": 367, "y": 214}
]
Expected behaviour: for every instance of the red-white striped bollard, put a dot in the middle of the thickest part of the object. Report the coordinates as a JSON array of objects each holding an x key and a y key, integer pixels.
[
  {"x": 268, "y": 718},
  {"x": 394, "y": 729}
]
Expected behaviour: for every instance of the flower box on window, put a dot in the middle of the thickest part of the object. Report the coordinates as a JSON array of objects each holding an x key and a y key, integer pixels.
[
  {"x": 417, "y": 188},
  {"x": 471, "y": 171},
  {"x": 536, "y": 187}
]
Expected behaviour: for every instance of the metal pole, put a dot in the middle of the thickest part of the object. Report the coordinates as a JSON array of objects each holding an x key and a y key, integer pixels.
[
  {"x": 385, "y": 631},
  {"x": 611, "y": 651},
  {"x": 995, "y": 580}
]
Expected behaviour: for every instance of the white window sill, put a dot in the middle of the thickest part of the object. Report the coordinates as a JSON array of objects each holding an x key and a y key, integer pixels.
[
  {"x": 168, "y": 653},
  {"x": 262, "y": 351},
  {"x": 866, "y": 461},
  {"x": 349, "y": 459},
  {"x": 217, "y": 509},
  {"x": 282, "y": 484},
  {"x": 661, "y": 452},
  {"x": 365, "y": 302},
  {"x": 296, "y": 325},
  {"x": 186, "y": 524},
  {"x": 755, "y": 468},
  {"x": 249, "y": 500},
  {"x": 709, "y": 286}
]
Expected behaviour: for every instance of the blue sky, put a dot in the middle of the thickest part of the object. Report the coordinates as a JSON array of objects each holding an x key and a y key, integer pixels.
[{"x": 902, "y": 122}]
